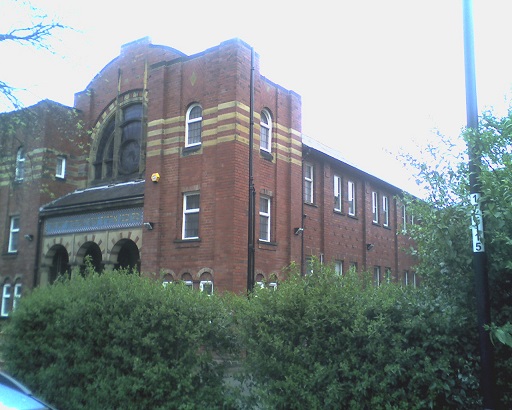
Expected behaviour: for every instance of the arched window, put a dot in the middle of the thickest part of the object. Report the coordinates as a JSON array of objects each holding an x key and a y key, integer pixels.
[
  {"x": 20, "y": 165},
  {"x": 266, "y": 131},
  {"x": 6, "y": 299},
  {"x": 128, "y": 256},
  {"x": 193, "y": 126},
  {"x": 206, "y": 283},
  {"x": 187, "y": 280},
  {"x": 119, "y": 150},
  {"x": 60, "y": 263},
  {"x": 10, "y": 297},
  {"x": 90, "y": 252}
]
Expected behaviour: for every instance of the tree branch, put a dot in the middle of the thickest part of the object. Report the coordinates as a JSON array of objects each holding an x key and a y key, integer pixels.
[
  {"x": 9, "y": 93},
  {"x": 34, "y": 35}
]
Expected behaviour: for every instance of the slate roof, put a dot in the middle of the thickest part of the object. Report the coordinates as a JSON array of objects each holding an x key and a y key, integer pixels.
[{"x": 97, "y": 197}]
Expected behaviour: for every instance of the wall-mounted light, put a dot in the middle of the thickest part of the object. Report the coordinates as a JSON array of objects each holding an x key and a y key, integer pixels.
[
  {"x": 298, "y": 231},
  {"x": 370, "y": 246},
  {"x": 29, "y": 237},
  {"x": 148, "y": 225},
  {"x": 155, "y": 177}
]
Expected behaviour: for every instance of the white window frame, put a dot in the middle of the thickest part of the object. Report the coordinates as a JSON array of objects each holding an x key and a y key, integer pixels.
[
  {"x": 272, "y": 285},
  {"x": 204, "y": 283},
  {"x": 376, "y": 275},
  {"x": 407, "y": 281},
  {"x": 60, "y": 171},
  {"x": 338, "y": 267},
  {"x": 385, "y": 210},
  {"x": 19, "y": 174},
  {"x": 188, "y": 212},
  {"x": 266, "y": 127},
  {"x": 337, "y": 193},
  {"x": 309, "y": 172},
  {"x": 6, "y": 297},
  {"x": 351, "y": 198},
  {"x": 16, "y": 296},
  {"x": 388, "y": 274},
  {"x": 404, "y": 219},
  {"x": 14, "y": 233},
  {"x": 190, "y": 121},
  {"x": 375, "y": 207},
  {"x": 265, "y": 215},
  {"x": 309, "y": 265}
]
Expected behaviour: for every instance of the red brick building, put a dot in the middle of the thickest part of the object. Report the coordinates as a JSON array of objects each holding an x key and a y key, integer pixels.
[{"x": 149, "y": 169}]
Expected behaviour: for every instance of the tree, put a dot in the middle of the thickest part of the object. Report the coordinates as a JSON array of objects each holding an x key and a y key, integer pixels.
[
  {"x": 36, "y": 30},
  {"x": 443, "y": 234}
]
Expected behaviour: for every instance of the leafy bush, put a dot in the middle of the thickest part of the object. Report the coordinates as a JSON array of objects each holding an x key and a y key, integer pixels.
[
  {"x": 120, "y": 341},
  {"x": 443, "y": 236},
  {"x": 330, "y": 342}
]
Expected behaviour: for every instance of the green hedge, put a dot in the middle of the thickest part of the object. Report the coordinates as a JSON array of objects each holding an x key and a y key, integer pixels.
[
  {"x": 325, "y": 342},
  {"x": 120, "y": 341}
]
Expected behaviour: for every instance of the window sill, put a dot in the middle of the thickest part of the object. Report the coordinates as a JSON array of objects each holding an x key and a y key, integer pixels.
[
  {"x": 190, "y": 150},
  {"x": 352, "y": 216},
  {"x": 337, "y": 212},
  {"x": 311, "y": 204},
  {"x": 188, "y": 243},
  {"x": 269, "y": 246},
  {"x": 10, "y": 255},
  {"x": 266, "y": 155}
]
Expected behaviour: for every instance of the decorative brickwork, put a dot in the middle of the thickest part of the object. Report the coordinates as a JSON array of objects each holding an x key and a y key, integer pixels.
[{"x": 205, "y": 185}]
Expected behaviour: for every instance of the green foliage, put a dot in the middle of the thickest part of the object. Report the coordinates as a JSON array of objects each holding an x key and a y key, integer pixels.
[
  {"x": 330, "y": 342},
  {"x": 119, "y": 340},
  {"x": 443, "y": 234},
  {"x": 502, "y": 334}
]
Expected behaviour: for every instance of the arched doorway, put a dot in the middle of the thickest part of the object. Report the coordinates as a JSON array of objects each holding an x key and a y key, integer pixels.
[
  {"x": 90, "y": 250},
  {"x": 60, "y": 263},
  {"x": 128, "y": 255}
]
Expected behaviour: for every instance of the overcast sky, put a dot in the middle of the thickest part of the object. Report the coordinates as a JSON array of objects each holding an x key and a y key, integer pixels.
[{"x": 375, "y": 76}]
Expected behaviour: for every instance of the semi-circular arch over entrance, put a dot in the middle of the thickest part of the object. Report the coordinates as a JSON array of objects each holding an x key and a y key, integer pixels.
[
  {"x": 57, "y": 262},
  {"x": 125, "y": 254},
  {"x": 92, "y": 250}
]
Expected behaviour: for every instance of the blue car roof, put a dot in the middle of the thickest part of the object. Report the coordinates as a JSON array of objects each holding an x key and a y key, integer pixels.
[{"x": 11, "y": 399}]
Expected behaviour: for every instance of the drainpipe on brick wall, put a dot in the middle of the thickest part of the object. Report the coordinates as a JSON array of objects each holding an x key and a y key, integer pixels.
[
  {"x": 302, "y": 221},
  {"x": 365, "y": 228},
  {"x": 303, "y": 215},
  {"x": 38, "y": 250},
  {"x": 396, "y": 237},
  {"x": 251, "y": 237}
]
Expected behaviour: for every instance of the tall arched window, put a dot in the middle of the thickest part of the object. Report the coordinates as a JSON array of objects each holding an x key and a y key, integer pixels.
[
  {"x": 20, "y": 164},
  {"x": 193, "y": 125},
  {"x": 6, "y": 299},
  {"x": 119, "y": 150},
  {"x": 266, "y": 131}
]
